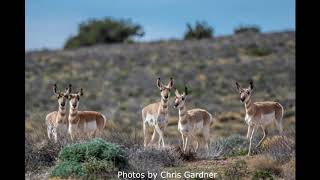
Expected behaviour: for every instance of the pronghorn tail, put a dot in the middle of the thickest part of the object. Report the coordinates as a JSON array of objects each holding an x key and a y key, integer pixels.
[
  {"x": 211, "y": 119},
  {"x": 279, "y": 117},
  {"x": 105, "y": 121}
]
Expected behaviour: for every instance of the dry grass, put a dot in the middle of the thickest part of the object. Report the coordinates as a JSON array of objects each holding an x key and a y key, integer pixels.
[{"x": 265, "y": 163}]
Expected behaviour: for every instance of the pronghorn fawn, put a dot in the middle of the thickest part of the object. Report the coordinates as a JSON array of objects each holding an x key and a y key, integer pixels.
[
  {"x": 259, "y": 114},
  {"x": 83, "y": 123},
  {"x": 156, "y": 115},
  {"x": 193, "y": 124},
  {"x": 57, "y": 121}
]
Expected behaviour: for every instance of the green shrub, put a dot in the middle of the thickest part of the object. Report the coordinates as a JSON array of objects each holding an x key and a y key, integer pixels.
[
  {"x": 104, "y": 31},
  {"x": 262, "y": 175},
  {"x": 201, "y": 30},
  {"x": 247, "y": 29},
  {"x": 97, "y": 148},
  {"x": 67, "y": 169},
  {"x": 94, "y": 166},
  {"x": 254, "y": 50},
  {"x": 90, "y": 159}
]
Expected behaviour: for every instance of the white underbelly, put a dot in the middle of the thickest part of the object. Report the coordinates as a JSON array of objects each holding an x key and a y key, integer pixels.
[
  {"x": 90, "y": 126},
  {"x": 153, "y": 120},
  {"x": 267, "y": 118},
  {"x": 185, "y": 129}
]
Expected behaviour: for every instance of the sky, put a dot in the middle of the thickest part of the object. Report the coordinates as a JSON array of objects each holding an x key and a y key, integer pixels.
[{"x": 48, "y": 23}]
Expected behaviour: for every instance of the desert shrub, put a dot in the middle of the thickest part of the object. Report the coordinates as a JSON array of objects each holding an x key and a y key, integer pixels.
[
  {"x": 279, "y": 148},
  {"x": 95, "y": 166},
  {"x": 90, "y": 158},
  {"x": 106, "y": 31},
  {"x": 236, "y": 170},
  {"x": 96, "y": 148},
  {"x": 201, "y": 30},
  {"x": 247, "y": 29},
  {"x": 40, "y": 155},
  {"x": 262, "y": 175},
  {"x": 153, "y": 159},
  {"x": 68, "y": 169},
  {"x": 234, "y": 145},
  {"x": 255, "y": 50},
  {"x": 265, "y": 163}
]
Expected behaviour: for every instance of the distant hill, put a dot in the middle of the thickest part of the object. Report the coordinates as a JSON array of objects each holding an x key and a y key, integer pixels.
[{"x": 120, "y": 79}]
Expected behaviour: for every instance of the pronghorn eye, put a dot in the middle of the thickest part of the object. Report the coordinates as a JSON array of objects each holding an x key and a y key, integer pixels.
[
  {"x": 248, "y": 92},
  {"x": 182, "y": 99}
]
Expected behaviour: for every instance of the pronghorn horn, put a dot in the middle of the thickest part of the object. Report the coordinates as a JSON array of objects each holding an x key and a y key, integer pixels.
[
  {"x": 81, "y": 92},
  {"x": 170, "y": 84},
  {"x": 238, "y": 85},
  {"x": 185, "y": 90},
  {"x": 158, "y": 82},
  {"x": 68, "y": 90},
  {"x": 55, "y": 89},
  {"x": 251, "y": 84}
]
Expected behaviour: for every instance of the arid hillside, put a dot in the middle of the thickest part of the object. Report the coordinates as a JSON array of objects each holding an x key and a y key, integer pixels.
[{"x": 119, "y": 80}]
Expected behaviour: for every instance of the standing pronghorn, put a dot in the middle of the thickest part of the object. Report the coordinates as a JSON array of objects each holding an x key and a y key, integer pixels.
[
  {"x": 156, "y": 115},
  {"x": 57, "y": 120},
  {"x": 83, "y": 123},
  {"x": 194, "y": 123},
  {"x": 259, "y": 114}
]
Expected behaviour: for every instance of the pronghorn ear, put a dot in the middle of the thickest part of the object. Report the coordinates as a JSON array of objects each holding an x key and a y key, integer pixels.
[
  {"x": 176, "y": 92},
  {"x": 185, "y": 90},
  {"x": 238, "y": 85},
  {"x": 159, "y": 83},
  {"x": 55, "y": 89},
  {"x": 251, "y": 84},
  {"x": 170, "y": 84}
]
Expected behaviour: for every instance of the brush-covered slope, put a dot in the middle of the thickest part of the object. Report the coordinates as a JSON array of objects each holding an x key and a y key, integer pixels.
[{"x": 120, "y": 79}]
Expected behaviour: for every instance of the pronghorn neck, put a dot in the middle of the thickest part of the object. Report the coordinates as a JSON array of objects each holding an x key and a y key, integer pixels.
[
  {"x": 62, "y": 111},
  {"x": 163, "y": 104},
  {"x": 73, "y": 112},
  {"x": 182, "y": 112},
  {"x": 249, "y": 106}
]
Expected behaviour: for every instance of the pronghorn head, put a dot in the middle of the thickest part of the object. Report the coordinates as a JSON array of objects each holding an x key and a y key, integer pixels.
[
  {"x": 245, "y": 93},
  {"x": 180, "y": 98},
  {"x": 74, "y": 99},
  {"x": 165, "y": 90},
  {"x": 62, "y": 96}
]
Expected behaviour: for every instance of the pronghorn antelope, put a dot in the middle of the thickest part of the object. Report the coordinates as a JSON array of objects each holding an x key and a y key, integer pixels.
[
  {"x": 259, "y": 114},
  {"x": 83, "y": 123},
  {"x": 58, "y": 120},
  {"x": 194, "y": 123},
  {"x": 156, "y": 115}
]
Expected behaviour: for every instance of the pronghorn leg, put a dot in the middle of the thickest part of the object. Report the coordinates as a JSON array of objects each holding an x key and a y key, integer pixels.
[
  {"x": 182, "y": 136},
  {"x": 197, "y": 146},
  {"x": 186, "y": 144},
  {"x": 153, "y": 136},
  {"x": 265, "y": 132},
  {"x": 251, "y": 136},
  {"x": 206, "y": 134},
  {"x": 249, "y": 132},
  {"x": 49, "y": 131},
  {"x": 145, "y": 134},
  {"x": 160, "y": 132},
  {"x": 55, "y": 134}
]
